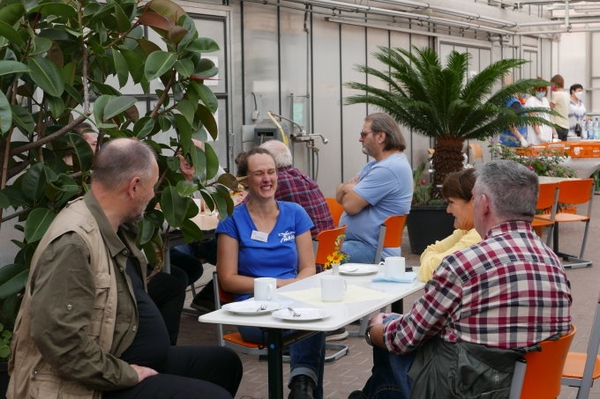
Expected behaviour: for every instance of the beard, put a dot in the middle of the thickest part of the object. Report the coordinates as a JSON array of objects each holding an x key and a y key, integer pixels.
[{"x": 136, "y": 214}]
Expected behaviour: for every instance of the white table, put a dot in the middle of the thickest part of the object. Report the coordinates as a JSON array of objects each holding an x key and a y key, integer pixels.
[{"x": 362, "y": 298}]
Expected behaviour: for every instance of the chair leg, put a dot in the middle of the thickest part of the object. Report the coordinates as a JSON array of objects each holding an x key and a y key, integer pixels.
[
  {"x": 341, "y": 350},
  {"x": 572, "y": 261}
]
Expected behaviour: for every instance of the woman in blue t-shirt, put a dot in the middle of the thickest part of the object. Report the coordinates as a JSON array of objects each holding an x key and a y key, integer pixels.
[{"x": 269, "y": 238}]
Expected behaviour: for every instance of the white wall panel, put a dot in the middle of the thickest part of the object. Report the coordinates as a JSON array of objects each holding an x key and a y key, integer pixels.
[
  {"x": 353, "y": 52},
  {"x": 327, "y": 102}
]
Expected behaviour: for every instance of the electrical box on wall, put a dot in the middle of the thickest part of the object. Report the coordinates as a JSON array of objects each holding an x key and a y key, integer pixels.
[{"x": 266, "y": 130}]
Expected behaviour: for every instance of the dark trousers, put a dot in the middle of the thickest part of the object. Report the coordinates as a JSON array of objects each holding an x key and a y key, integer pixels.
[
  {"x": 562, "y": 133},
  {"x": 210, "y": 372},
  {"x": 168, "y": 293}
]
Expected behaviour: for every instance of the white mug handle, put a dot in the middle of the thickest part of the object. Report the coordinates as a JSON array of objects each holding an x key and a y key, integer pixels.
[{"x": 271, "y": 292}]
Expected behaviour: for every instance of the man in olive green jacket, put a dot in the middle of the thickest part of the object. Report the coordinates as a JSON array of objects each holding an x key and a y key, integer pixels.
[{"x": 86, "y": 327}]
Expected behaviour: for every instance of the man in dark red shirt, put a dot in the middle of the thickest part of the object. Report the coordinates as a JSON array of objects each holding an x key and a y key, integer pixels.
[{"x": 295, "y": 186}]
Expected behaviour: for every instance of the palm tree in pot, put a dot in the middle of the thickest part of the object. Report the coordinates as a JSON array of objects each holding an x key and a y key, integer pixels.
[
  {"x": 448, "y": 105},
  {"x": 443, "y": 102}
]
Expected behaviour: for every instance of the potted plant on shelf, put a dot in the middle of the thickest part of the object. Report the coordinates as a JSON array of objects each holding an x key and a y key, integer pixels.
[
  {"x": 445, "y": 103},
  {"x": 58, "y": 60}
]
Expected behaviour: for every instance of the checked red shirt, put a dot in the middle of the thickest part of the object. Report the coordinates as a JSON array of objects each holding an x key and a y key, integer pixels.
[
  {"x": 507, "y": 291},
  {"x": 295, "y": 186}
]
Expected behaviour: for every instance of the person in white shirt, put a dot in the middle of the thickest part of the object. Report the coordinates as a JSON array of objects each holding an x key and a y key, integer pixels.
[
  {"x": 577, "y": 111},
  {"x": 538, "y": 133}
]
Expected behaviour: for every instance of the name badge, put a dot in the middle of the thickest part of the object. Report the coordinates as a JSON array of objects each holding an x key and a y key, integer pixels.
[{"x": 259, "y": 236}]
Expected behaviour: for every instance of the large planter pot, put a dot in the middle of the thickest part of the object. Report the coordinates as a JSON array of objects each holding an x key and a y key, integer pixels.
[{"x": 426, "y": 224}]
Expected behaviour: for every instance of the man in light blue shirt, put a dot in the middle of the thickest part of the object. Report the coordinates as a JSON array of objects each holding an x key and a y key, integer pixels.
[{"x": 383, "y": 188}]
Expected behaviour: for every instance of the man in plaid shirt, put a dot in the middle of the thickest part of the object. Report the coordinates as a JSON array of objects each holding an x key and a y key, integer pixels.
[
  {"x": 507, "y": 292},
  {"x": 295, "y": 186}
]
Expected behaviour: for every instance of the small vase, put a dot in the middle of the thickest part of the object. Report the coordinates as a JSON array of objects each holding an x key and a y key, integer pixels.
[{"x": 335, "y": 269}]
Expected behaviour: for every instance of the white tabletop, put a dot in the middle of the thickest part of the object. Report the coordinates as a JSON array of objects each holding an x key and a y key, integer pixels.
[{"x": 362, "y": 297}]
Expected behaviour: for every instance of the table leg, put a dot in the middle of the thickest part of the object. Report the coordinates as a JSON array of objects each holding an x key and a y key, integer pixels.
[
  {"x": 275, "y": 363},
  {"x": 398, "y": 306},
  {"x": 275, "y": 344}
]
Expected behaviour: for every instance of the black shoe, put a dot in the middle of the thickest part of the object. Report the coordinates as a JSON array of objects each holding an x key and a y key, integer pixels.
[
  {"x": 336, "y": 335},
  {"x": 203, "y": 305},
  {"x": 356, "y": 395},
  {"x": 302, "y": 387}
]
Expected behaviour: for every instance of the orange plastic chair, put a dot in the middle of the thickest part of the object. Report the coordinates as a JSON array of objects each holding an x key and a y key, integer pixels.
[
  {"x": 547, "y": 201},
  {"x": 233, "y": 340},
  {"x": 538, "y": 374},
  {"x": 476, "y": 153},
  {"x": 326, "y": 243},
  {"x": 581, "y": 369},
  {"x": 390, "y": 234},
  {"x": 336, "y": 210},
  {"x": 574, "y": 192}
]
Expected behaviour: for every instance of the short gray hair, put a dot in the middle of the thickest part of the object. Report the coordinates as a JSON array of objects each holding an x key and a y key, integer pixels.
[
  {"x": 122, "y": 159},
  {"x": 281, "y": 153},
  {"x": 511, "y": 188}
]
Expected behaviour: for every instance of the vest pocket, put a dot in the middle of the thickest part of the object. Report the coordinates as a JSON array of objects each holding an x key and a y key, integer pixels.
[
  {"x": 49, "y": 386},
  {"x": 102, "y": 293}
]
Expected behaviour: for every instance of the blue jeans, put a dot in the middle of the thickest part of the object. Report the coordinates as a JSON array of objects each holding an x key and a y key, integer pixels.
[
  {"x": 361, "y": 252},
  {"x": 307, "y": 357},
  {"x": 389, "y": 375}
]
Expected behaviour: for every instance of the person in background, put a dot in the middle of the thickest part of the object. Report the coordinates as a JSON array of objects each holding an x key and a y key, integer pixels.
[
  {"x": 89, "y": 134},
  {"x": 508, "y": 291},
  {"x": 457, "y": 190},
  {"x": 577, "y": 111},
  {"x": 190, "y": 258},
  {"x": 513, "y": 136},
  {"x": 269, "y": 238},
  {"x": 383, "y": 187},
  {"x": 293, "y": 185},
  {"x": 537, "y": 133},
  {"x": 87, "y": 327},
  {"x": 559, "y": 102}
]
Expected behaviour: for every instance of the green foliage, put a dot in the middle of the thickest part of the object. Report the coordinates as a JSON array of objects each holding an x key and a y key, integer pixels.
[
  {"x": 545, "y": 162},
  {"x": 423, "y": 193},
  {"x": 444, "y": 102},
  {"x": 55, "y": 59},
  {"x": 5, "y": 338}
]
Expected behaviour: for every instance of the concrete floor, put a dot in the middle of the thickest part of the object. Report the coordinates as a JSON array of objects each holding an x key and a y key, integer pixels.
[{"x": 350, "y": 372}]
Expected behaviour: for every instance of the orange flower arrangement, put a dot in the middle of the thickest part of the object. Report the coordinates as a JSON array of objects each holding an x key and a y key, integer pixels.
[{"x": 337, "y": 256}]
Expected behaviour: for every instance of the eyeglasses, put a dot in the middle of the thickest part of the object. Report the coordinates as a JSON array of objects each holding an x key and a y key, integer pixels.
[
  {"x": 261, "y": 173},
  {"x": 364, "y": 134}
]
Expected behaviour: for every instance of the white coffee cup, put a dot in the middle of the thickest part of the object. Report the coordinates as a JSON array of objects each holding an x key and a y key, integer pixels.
[
  {"x": 264, "y": 288},
  {"x": 394, "y": 267},
  {"x": 333, "y": 288}
]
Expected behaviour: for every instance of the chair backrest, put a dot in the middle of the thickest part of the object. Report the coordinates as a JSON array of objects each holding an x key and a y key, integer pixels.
[
  {"x": 576, "y": 192},
  {"x": 476, "y": 152},
  {"x": 336, "y": 210},
  {"x": 581, "y": 368},
  {"x": 220, "y": 296},
  {"x": 390, "y": 234},
  {"x": 543, "y": 369},
  {"x": 326, "y": 243},
  {"x": 547, "y": 197}
]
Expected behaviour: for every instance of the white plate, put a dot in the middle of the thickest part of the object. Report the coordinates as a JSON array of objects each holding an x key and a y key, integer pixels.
[
  {"x": 305, "y": 314},
  {"x": 358, "y": 269},
  {"x": 251, "y": 307}
]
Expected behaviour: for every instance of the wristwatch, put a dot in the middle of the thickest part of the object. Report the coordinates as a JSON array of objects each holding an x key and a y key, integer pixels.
[{"x": 368, "y": 334}]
